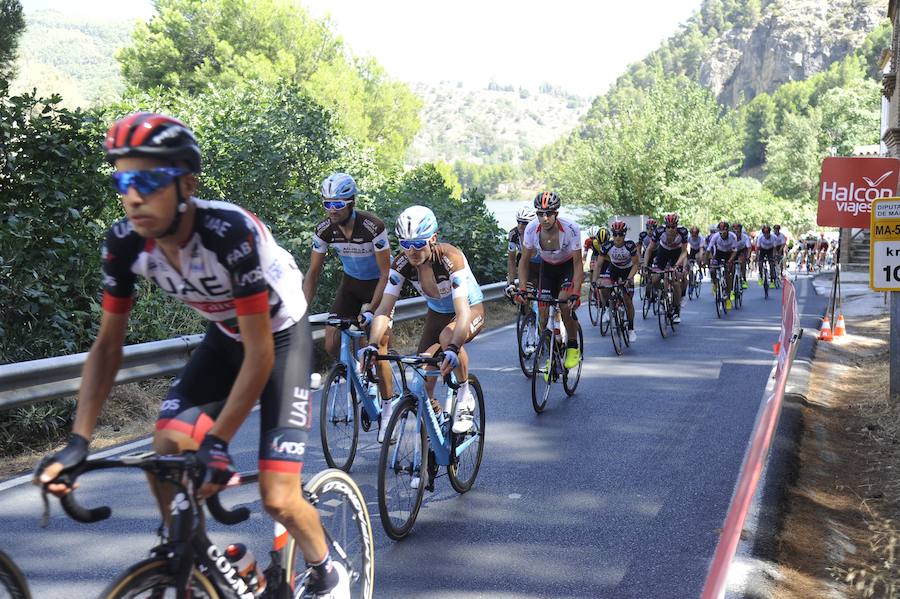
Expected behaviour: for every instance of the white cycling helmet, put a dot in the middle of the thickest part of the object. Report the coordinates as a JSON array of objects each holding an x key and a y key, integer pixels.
[
  {"x": 338, "y": 186},
  {"x": 416, "y": 222},
  {"x": 525, "y": 215}
]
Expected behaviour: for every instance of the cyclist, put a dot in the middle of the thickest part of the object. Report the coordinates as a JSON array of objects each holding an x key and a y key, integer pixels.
[
  {"x": 696, "y": 245},
  {"x": 618, "y": 262},
  {"x": 594, "y": 243},
  {"x": 645, "y": 236},
  {"x": 441, "y": 274},
  {"x": 558, "y": 241},
  {"x": 780, "y": 245},
  {"x": 766, "y": 243},
  {"x": 222, "y": 261},
  {"x": 723, "y": 247},
  {"x": 523, "y": 217},
  {"x": 360, "y": 241},
  {"x": 743, "y": 251},
  {"x": 822, "y": 247},
  {"x": 669, "y": 247}
]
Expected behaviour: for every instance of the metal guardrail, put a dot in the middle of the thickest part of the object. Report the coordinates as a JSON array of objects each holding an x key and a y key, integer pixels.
[{"x": 23, "y": 383}]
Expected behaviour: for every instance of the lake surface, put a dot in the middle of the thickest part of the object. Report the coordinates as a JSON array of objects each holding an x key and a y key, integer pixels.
[{"x": 505, "y": 212}]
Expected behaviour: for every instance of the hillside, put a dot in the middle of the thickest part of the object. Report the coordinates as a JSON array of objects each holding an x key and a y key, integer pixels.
[{"x": 490, "y": 126}]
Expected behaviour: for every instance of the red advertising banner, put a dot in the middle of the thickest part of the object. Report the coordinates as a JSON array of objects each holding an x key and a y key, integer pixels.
[{"x": 847, "y": 187}]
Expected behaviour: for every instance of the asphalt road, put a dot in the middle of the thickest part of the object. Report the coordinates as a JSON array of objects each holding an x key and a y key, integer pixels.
[{"x": 616, "y": 492}]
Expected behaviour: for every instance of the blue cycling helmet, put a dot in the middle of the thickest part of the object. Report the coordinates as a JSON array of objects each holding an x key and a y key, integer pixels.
[
  {"x": 339, "y": 186},
  {"x": 416, "y": 222}
]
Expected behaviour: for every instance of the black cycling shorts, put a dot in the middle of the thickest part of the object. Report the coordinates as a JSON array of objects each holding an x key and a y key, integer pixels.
[
  {"x": 665, "y": 258},
  {"x": 555, "y": 278},
  {"x": 199, "y": 393},
  {"x": 692, "y": 253},
  {"x": 351, "y": 295},
  {"x": 614, "y": 274}
]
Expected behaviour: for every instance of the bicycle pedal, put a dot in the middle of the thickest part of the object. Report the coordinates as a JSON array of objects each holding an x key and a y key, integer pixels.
[{"x": 364, "y": 421}]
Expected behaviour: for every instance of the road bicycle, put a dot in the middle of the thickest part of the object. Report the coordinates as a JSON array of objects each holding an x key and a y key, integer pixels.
[
  {"x": 12, "y": 581},
  {"x": 648, "y": 299},
  {"x": 598, "y": 311},
  {"x": 419, "y": 440},
  {"x": 665, "y": 300},
  {"x": 718, "y": 274},
  {"x": 618, "y": 317},
  {"x": 695, "y": 280},
  {"x": 550, "y": 357},
  {"x": 346, "y": 402},
  {"x": 736, "y": 289},
  {"x": 187, "y": 565},
  {"x": 767, "y": 276},
  {"x": 527, "y": 335}
]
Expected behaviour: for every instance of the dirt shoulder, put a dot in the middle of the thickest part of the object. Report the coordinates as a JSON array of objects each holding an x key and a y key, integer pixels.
[
  {"x": 843, "y": 510},
  {"x": 130, "y": 412}
]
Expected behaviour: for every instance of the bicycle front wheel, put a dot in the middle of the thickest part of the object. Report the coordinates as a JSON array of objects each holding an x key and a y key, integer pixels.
[
  {"x": 571, "y": 376},
  {"x": 663, "y": 314},
  {"x": 12, "y": 581},
  {"x": 542, "y": 375},
  {"x": 339, "y": 418},
  {"x": 348, "y": 531},
  {"x": 593, "y": 307},
  {"x": 467, "y": 448},
  {"x": 528, "y": 343},
  {"x": 151, "y": 579},
  {"x": 617, "y": 326},
  {"x": 402, "y": 470}
]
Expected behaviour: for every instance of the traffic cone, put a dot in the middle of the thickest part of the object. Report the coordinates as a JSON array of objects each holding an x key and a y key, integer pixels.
[
  {"x": 825, "y": 331},
  {"x": 840, "y": 329},
  {"x": 776, "y": 347}
]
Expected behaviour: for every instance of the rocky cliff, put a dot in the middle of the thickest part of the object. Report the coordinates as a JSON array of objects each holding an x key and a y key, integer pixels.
[{"x": 792, "y": 40}]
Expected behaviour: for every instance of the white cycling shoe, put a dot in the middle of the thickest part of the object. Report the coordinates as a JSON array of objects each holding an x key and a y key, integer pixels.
[
  {"x": 387, "y": 409},
  {"x": 632, "y": 336},
  {"x": 342, "y": 590},
  {"x": 464, "y": 418}
]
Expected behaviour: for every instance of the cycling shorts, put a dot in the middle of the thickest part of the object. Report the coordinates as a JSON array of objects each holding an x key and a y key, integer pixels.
[
  {"x": 198, "y": 395},
  {"x": 351, "y": 295},
  {"x": 555, "y": 278},
  {"x": 614, "y": 274},
  {"x": 436, "y": 322},
  {"x": 692, "y": 253},
  {"x": 665, "y": 258}
]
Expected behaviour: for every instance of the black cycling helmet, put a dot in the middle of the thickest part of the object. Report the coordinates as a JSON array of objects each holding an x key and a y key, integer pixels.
[{"x": 547, "y": 201}]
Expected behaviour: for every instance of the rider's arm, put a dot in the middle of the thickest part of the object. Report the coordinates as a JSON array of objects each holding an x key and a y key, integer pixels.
[
  {"x": 256, "y": 367},
  {"x": 311, "y": 279},
  {"x": 461, "y": 307},
  {"x": 578, "y": 273},
  {"x": 648, "y": 252},
  {"x": 384, "y": 265},
  {"x": 598, "y": 267},
  {"x": 382, "y": 318},
  {"x": 682, "y": 259},
  {"x": 99, "y": 371},
  {"x": 511, "y": 267},
  {"x": 527, "y": 254},
  {"x": 635, "y": 266}
]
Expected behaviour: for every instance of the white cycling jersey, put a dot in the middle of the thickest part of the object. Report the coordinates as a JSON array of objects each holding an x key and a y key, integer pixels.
[
  {"x": 764, "y": 242},
  {"x": 722, "y": 245},
  {"x": 569, "y": 241},
  {"x": 696, "y": 242},
  {"x": 744, "y": 241},
  {"x": 780, "y": 239}
]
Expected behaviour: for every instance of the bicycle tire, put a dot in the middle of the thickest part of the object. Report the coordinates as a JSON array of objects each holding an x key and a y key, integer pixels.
[
  {"x": 394, "y": 459},
  {"x": 604, "y": 323},
  {"x": 594, "y": 307},
  {"x": 623, "y": 322},
  {"x": 765, "y": 280},
  {"x": 528, "y": 329},
  {"x": 538, "y": 382},
  {"x": 645, "y": 305},
  {"x": 338, "y": 499},
  {"x": 153, "y": 575},
  {"x": 662, "y": 314},
  {"x": 12, "y": 581},
  {"x": 567, "y": 373},
  {"x": 339, "y": 419},
  {"x": 616, "y": 327},
  {"x": 464, "y": 468},
  {"x": 520, "y": 312}
]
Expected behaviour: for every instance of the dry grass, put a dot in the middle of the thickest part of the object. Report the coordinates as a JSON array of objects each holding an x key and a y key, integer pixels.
[{"x": 130, "y": 412}]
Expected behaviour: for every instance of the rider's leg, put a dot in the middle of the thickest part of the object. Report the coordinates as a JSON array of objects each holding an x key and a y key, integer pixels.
[
  {"x": 333, "y": 342},
  {"x": 283, "y": 501}
]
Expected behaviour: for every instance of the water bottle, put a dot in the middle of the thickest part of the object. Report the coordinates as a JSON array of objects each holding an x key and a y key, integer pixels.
[{"x": 247, "y": 568}]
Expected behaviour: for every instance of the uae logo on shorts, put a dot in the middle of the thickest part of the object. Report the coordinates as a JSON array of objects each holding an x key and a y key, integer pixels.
[{"x": 379, "y": 243}]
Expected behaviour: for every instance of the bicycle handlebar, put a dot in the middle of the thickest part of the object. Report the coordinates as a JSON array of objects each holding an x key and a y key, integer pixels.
[
  {"x": 337, "y": 322},
  {"x": 147, "y": 461},
  {"x": 414, "y": 360}
]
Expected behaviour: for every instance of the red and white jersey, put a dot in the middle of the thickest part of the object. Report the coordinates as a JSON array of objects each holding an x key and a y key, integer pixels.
[
  {"x": 230, "y": 266},
  {"x": 569, "y": 241}
]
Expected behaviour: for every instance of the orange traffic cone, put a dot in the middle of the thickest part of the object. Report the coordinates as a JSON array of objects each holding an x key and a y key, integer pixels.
[
  {"x": 825, "y": 331},
  {"x": 776, "y": 347},
  {"x": 840, "y": 329}
]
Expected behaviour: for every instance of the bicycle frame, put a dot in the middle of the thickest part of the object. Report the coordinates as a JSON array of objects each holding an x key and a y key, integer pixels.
[{"x": 348, "y": 357}]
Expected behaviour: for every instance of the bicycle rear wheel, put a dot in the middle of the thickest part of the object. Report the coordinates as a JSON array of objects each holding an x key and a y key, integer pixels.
[
  {"x": 765, "y": 280},
  {"x": 151, "y": 579},
  {"x": 617, "y": 328},
  {"x": 645, "y": 304},
  {"x": 604, "y": 322},
  {"x": 339, "y": 418},
  {"x": 542, "y": 375},
  {"x": 348, "y": 531},
  {"x": 570, "y": 378},
  {"x": 402, "y": 470},
  {"x": 468, "y": 447},
  {"x": 593, "y": 306},
  {"x": 663, "y": 313},
  {"x": 528, "y": 337},
  {"x": 12, "y": 581}
]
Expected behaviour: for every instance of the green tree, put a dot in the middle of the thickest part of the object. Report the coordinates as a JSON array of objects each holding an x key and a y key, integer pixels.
[
  {"x": 12, "y": 23},
  {"x": 795, "y": 157},
  {"x": 758, "y": 119},
  {"x": 851, "y": 116}
]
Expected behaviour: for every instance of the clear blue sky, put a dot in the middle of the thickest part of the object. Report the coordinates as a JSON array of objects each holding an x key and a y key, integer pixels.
[{"x": 581, "y": 45}]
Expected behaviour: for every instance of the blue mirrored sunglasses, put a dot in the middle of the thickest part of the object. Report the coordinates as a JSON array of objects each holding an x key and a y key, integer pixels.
[
  {"x": 146, "y": 182},
  {"x": 413, "y": 244},
  {"x": 334, "y": 204}
]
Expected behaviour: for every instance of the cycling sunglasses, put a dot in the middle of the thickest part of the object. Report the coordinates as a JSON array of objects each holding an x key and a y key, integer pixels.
[
  {"x": 334, "y": 204},
  {"x": 413, "y": 244},
  {"x": 545, "y": 212},
  {"x": 614, "y": 234},
  {"x": 146, "y": 182}
]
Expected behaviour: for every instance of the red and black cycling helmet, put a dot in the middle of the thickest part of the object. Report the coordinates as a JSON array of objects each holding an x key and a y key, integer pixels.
[
  {"x": 671, "y": 219},
  {"x": 547, "y": 201},
  {"x": 766, "y": 229},
  {"x": 651, "y": 223},
  {"x": 618, "y": 228},
  {"x": 724, "y": 226},
  {"x": 151, "y": 135}
]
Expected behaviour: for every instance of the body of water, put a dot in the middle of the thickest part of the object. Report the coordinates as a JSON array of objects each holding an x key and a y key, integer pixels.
[{"x": 505, "y": 212}]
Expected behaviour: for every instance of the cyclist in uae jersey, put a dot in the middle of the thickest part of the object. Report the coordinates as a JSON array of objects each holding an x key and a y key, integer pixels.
[
  {"x": 722, "y": 247},
  {"x": 645, "y": 236},
  {"x": 765, "y": 244},
  {"x": 558, "y": 242},
  {"x": 668, "y": 248},
  {"x": 360, "y": 241},
  {"x": 441, "y": 274},
  {"x": 222, "y": 261},
  {"x": 618, "y": 263}
]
